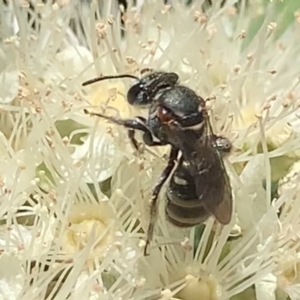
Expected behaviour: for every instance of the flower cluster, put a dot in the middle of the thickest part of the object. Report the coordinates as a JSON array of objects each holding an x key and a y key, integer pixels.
[{"x": 74, "y": 193}]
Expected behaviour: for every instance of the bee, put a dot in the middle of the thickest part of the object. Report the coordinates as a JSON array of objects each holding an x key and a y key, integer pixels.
[{"x": 199, "y": 185}]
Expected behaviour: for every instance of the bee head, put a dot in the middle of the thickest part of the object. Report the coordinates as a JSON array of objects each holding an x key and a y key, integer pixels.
[
  {"x": 150, "y": 87},
  {"x": 147, "y": 88}
]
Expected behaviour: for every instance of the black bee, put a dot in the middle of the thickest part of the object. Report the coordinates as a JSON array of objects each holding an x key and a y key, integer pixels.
[{"x": 199, "y": 187}]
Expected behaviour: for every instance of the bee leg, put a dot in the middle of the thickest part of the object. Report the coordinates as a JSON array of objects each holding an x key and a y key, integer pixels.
[
  {"x": 155, "y": 193},
  {"x": 147, "y": 137},
  {"x": 131, "y": 133},
  {"x": 137, "y": 123},
  {"x": 148, "y": 140},
  {"x": 221, "y": 144}
]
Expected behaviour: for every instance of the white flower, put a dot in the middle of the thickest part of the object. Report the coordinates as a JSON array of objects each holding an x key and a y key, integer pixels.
[
  {"x": 285, "y": 276},
  {"x": 74, "y": 193},
  {"x": 207, "y": 273},
  {"x": 21, "y": 246}
]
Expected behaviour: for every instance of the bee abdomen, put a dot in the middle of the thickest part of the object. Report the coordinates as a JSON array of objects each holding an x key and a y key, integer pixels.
[{"x": 183, "y": 209}]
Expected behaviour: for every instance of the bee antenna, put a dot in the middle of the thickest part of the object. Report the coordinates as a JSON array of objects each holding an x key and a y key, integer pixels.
[{"x": 91, "y": 81}]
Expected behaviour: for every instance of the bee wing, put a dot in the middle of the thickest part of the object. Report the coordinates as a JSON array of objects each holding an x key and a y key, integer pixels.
[
  {"x": 208, "y": 170},
  {"x": 211, "y": 179}
]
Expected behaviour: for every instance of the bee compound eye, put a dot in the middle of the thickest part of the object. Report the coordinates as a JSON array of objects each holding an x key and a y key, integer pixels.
[
  {"x": 133, "y": 93},
  {"x": 137, "y": 95}
]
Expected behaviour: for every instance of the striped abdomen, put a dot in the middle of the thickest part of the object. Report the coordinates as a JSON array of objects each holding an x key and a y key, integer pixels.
[{"x": 183, "y": 208}]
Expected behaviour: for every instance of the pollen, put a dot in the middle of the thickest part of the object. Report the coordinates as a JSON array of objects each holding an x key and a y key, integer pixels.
[
  {"x": 289, "y": 268},
  {"x": 204, "y": 288},
  {"x": 277, "y": 135},
  {"x": 85, "y": 221},
  {"x": 247, "y": 118}
]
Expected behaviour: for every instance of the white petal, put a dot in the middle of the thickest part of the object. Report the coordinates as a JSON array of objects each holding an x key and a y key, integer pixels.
[
  {"x": 9, "y": 82},
  {"x": 11, "y": 277},
  {"x": 265, "y": 289},
  {"x": 21, "y": 239},
  {"x": 251, "y": 204},
  {"x": 294, "y": 291},
  {"x": 106, "y": 156},
  {"x": 17, "y": 235},
  {"x": 73, "y": 60},
  {"x": 18, "y": 176},
  {"x": 9, "y": 22}
]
